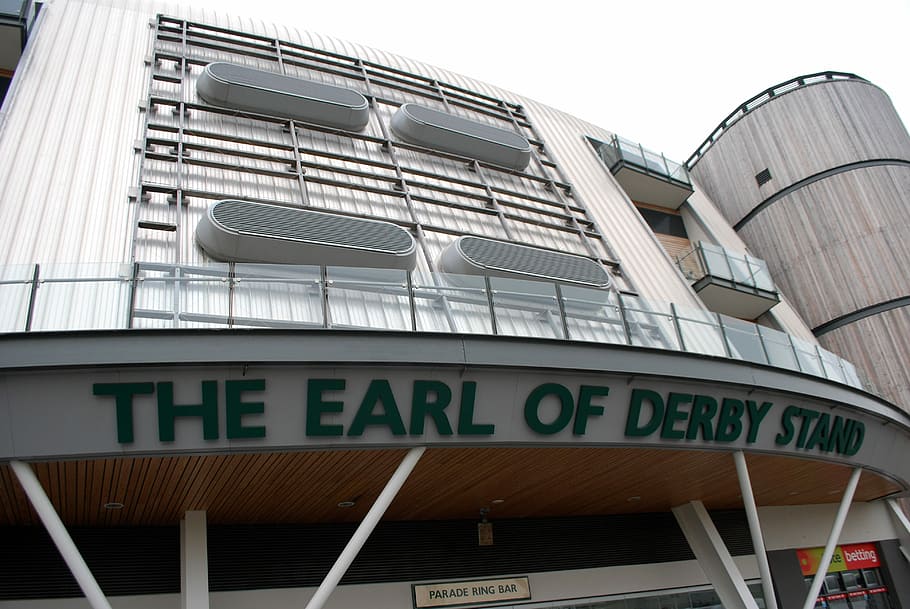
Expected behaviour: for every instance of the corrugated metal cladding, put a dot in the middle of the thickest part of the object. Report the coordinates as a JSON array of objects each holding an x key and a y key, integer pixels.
[
  {"x": 146, "y": 560},
  {"x": 189, "y": 154}
]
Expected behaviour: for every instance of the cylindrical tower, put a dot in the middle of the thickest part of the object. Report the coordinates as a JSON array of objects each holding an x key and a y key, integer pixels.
[{"x": 814, "y": 174}]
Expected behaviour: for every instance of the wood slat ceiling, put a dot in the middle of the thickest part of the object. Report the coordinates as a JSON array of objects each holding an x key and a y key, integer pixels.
[{"x": 448, "y": 483}]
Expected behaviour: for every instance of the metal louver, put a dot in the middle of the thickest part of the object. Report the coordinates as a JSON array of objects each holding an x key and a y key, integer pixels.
[
  {"x": 449, "y": 133},
  {"x": 242, "y": 88},
  {"x": 476, "y": 256},
  {"x": 243, "y": 231}
]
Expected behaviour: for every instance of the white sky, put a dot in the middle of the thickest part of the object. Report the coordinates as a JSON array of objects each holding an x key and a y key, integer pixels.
[{"x": 660, "y": 72}]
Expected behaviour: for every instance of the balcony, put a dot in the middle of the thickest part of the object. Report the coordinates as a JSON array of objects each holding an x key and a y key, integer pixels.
[
  {"x": 730, "y": 283},
  {"x": 67, "y": 297},
  {"x": 647, "y": 177}
]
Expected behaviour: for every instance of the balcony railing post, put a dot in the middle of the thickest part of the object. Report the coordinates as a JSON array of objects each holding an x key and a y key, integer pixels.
[
  {"x": 723, "y": 335},
  {"x": 412, "y": 301},
  {"x": 562, "y": 311},
  {"x": 324, "y": 280},
  {"x": 134, "y": 287},
  {"x": 486, "y": 280},
  {"x": 679, "y": 336},
  {"x": 799, "y": 364},
  {"x": 33, "y": 293},
  {"x": 625, "y": 322}
]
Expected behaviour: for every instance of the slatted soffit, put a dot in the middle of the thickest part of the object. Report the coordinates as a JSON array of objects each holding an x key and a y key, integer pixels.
[{"x": 289, "y": 487}]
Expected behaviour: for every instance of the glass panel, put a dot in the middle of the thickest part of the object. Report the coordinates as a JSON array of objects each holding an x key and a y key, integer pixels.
[
  {"x": 526, "y": 308},
  {"x": 452, "y": 303},
  {"x": 655, "y": 163},
  {"x": 631, "y": 152},
  {"x": 82, "y": 297},
  {"x": 715, "y": 261},
  {"x": 277, "y": 295},
  {"x": 758, "y": 594},
  {"x": 593, "y": 315},
  {"x": 741, "y": 271},
  {"x": 760, "y": 275},
  {"x": 707, "y": 599},
  {"x": 650, "y": 323},
  {"x": 203, "y": 295},
  {"x": 807, "y": 356},
  {"x": 852, "y": 375},
  {"x": 777, "y": 346},
  {"x": 831, "y": 364},
  {"x": 700, "y": 331},
  {"x": 15, "y": 288},
  {"x": 742, "y": 337},
  {"x": 372, "y": 299}
]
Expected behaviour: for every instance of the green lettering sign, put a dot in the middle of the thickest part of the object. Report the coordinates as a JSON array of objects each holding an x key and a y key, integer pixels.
[
  {"x": 123, "y": 401},
  {"x": 316, "y": 406},
  {"x": 168, "y": 411},
  {"x": 235, "y": 408}
]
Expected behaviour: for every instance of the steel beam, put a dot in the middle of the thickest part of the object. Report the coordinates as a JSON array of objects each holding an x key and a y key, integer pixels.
[
  {"x": 836, "y": 528},
  {"x": 60, "y": 535},
  {"x": 713, "y": 556},
  {"x": 758, "y": 541},
  {"x": 366, "y": 527}
]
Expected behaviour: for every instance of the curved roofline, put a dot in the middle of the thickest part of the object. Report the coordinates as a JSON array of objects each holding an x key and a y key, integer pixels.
[{"x": 762, "y": 98}]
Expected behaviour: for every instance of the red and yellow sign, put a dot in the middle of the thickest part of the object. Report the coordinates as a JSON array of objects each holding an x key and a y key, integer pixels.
[{"x": 845, "y": 558}]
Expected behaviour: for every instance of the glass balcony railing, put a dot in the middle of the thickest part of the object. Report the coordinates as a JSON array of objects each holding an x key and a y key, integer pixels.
[
  {"x": 622, "y": 151},
  {"x": 732, "y": 283},
  {"x": 707, "y": 259},
  {"x": 149, "y": 295}
]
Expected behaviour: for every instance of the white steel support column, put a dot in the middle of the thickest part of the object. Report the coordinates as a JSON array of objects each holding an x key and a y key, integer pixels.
[
  {"x": 713, "y": 556},
  {"x": 366, "y": 527},
  {"x": 836, "y": 528},
  {"x": 758, "y": 541},
  {"x": 194, "y": 561},
  {"x": 60, "y": 535},
  {"x": 903, "y": 526}
]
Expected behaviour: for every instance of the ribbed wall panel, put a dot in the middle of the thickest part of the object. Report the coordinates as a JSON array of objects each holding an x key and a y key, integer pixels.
[
  {"x": 111, "y": 122},
  {"x": 642, "y": 257}
]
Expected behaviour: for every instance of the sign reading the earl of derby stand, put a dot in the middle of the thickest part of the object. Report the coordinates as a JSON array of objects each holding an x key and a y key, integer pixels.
[{"x": 456, "y": 594}]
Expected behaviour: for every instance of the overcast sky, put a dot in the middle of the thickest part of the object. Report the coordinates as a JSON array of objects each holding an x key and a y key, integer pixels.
[{"x": 660, "y": 72}]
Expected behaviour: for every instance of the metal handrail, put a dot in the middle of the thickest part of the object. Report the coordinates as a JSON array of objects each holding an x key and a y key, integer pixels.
[
  {"x": 765, "y": 96},
  {"x": 650, "y": 324}
]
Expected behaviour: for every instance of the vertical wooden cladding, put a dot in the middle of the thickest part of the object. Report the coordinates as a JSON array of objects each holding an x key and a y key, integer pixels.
[
  {"x": 447, "y": 484},
  {"x": 878, "y": 345},
  {"x": 797, "y": 135},
  {"x": 839, "y": 244}
]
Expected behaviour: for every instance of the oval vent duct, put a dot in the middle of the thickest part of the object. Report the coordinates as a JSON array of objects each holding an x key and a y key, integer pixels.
[
  {"x": 448, "y": 133},
  {"x": 479, "y": 256},
  {"x": 242, "y": 231},
  {"x": 242, "y": 88}
]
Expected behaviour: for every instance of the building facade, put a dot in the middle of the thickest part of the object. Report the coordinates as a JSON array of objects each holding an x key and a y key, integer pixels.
[{"x": 291, "y": 321}]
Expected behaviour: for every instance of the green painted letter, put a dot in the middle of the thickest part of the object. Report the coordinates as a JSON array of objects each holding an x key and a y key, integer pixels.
[
  {"x": 316, "y": 406},
  {"x": 379, "y": 391},
  {"x": 633, "y": 426},
  {"x": 123, "y": 400},
  {"x": 532, "y": 407},
  {"x": 585, "y": 409},
  {"x": 421, "y": 406},
  {"x": 235, "y": 408},
  {"x": 168, "y": 411},
  {"x": 466, "y": 424}
]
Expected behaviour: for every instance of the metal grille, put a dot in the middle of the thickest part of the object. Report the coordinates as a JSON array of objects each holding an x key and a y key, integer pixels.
[
  {"x": 311, "y": 227},
  {"x": 533, "y": 262},
  {"x": 763, "y": 176},
  {"x": 193, "y": 153}
]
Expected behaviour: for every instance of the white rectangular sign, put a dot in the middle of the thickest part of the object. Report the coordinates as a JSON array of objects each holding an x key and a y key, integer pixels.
[{"x": 452, "y": 594}]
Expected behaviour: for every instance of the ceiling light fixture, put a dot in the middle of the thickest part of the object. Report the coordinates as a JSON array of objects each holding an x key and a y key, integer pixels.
[{"x": 113, "y": 505}]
